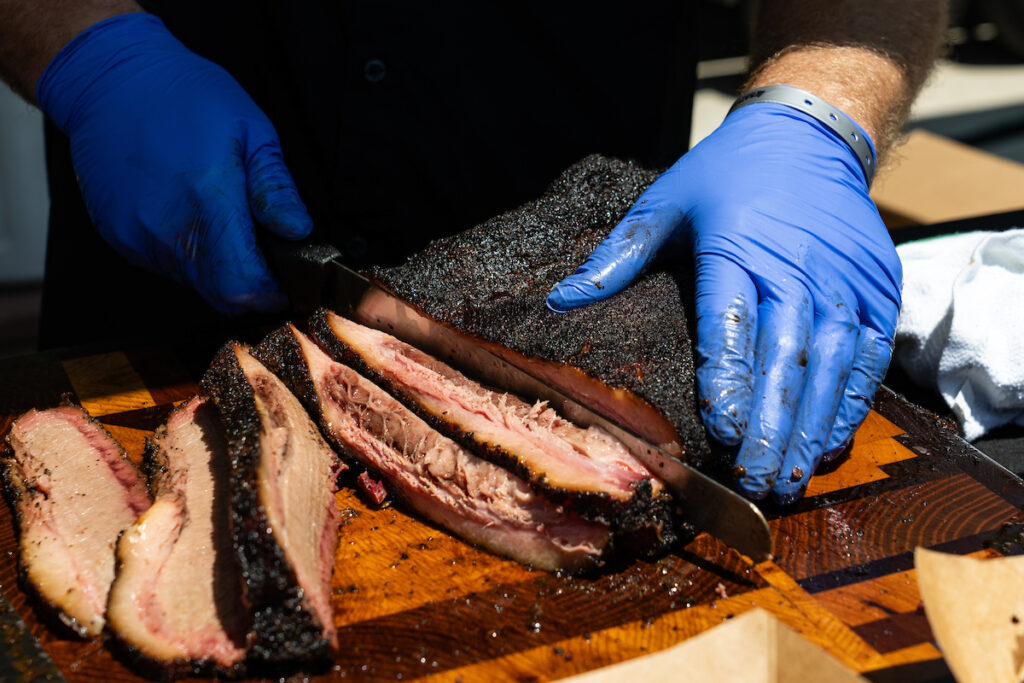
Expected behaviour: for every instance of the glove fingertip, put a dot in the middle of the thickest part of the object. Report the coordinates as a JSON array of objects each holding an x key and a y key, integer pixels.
[
  {"x": 838, "y": 444},
  {"x": 264, "y": 302},
  {"x": 571, "y": 293},
  {"x": 788, "y": 495},
  {"x": 296, "y": 226},
  {"x": 266, "y": 296},
  {"x": 753, "y": 488},
  {"x": 755, "y": 471},
  {"x": 283, "y": 213},
  {"x": 614, "y": 264},
  {"x": 245, "y": 287},
  {"x": 794, "y": 477},
  {"x": 724, "y": 395},
  {"x": 556, "y": 305},
  {"x": 723, "y": 427}
]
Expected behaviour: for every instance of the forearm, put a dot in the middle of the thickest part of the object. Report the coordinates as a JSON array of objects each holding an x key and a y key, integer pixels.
[
  {"x": 33, "y": 31},
  {"x": 867, "y": 58}
]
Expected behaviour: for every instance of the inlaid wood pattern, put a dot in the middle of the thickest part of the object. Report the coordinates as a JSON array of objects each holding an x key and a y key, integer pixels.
[
  {"x": 874, "y": 444},
  {"x": 410, "y": 601}
]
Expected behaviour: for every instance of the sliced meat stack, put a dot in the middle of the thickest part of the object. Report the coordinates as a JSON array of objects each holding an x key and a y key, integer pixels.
[
  {"x": 586, "y": 469},
  {"x": 176, "y": 599},
  {"x": 474, "y": 498},
  {"x": 73, "y": 490},
  {"x": 284, "y": 516},
  {"x": 629, "y": 357}
]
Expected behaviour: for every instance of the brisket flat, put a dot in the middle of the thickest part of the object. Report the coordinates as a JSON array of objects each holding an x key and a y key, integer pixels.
[
  {"x": 176, "y": 598},
  {"x": 472, "y": 497},
  {"x": 73, "y": 490},
  {"x": 629, "y": 356},
  {"x": 284, "y": 515},
  {"x": 587, "y": 470}
]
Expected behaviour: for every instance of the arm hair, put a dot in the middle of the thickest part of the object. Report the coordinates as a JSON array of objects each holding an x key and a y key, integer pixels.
[{"x": 869, "y": 58}]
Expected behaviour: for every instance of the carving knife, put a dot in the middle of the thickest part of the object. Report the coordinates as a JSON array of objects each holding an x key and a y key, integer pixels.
[{"x": 314, "y": 275}]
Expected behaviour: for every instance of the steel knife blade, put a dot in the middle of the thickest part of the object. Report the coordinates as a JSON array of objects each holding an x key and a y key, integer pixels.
[{"x": 314, "y": 275}]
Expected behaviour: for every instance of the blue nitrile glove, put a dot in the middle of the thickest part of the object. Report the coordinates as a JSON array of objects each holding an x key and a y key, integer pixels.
[
  {"x": 174, "y": 159},
  {"x": 797, "y": 292}
]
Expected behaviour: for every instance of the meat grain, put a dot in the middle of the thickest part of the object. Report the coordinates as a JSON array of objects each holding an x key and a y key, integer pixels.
[
  {"x": 284, "y": 516},
  {"x": 585, "y": 469},
  {"x": 475, "y": 499},
  {"x": 629, "y": 356},
  {"x": 176, "y": 598},
  {"x": 73, "y": 490}
]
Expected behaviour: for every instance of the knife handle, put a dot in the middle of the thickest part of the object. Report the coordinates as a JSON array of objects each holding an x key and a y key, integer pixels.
[{"x": 301, "y": 267}]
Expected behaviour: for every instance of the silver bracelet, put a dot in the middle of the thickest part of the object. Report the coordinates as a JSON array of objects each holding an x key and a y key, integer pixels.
[{"x": 841, "y": 124}]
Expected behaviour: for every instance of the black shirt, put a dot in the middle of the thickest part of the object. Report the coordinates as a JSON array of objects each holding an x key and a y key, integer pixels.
[{"x": 400, "y": 122}]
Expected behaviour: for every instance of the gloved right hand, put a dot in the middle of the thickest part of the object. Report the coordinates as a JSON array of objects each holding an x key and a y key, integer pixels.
[
  {"x": 797, "y": 288},
  {"x": 174, "y": 159}
]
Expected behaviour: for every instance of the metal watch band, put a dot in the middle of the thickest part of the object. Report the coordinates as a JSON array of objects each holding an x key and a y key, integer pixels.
[{"x": 841, "y": 124}]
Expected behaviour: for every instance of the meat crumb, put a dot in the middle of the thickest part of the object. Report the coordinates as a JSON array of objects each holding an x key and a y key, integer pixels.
[
  {"x": 372, "y": 488},
  {"x": 720, "y": 591}
]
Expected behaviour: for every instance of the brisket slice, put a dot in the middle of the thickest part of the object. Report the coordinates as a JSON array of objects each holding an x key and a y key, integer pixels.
[
  {"x": 472, "y": 497},
  {"x": 628, "y": 357},
  {"x": 73, "y": 490},
  {"x": 175, "y": 600},
  {"x": 585, "y": 469},
  {"x": 284, "y": 515}
]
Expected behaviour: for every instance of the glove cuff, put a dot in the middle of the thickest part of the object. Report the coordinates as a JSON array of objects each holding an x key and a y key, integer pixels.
[
  {"x": 831, "y": 117},
  {"x": 90, "y": 56}
]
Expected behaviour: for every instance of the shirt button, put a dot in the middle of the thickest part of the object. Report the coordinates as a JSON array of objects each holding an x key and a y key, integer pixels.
[{"x": 374, "y": 71}]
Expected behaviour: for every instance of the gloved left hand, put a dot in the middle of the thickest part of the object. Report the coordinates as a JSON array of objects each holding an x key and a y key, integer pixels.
[{"x": 797, "y": 292}]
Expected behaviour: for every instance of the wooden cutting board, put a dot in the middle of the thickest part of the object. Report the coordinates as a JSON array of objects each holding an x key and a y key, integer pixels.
[{"x": 411, "y": 601}]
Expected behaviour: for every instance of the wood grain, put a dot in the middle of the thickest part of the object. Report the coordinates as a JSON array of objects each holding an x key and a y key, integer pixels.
[
  {"x": 107, "y": 383},
  {"x": 863, "y": 530},
  {"x": 411, "y": 601}
]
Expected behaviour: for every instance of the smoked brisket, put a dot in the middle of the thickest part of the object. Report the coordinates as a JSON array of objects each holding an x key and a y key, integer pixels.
[
  {"x": 284, "y": 515},
  {"x": 586, "y": 470},
  {"x": 472, "y": 497},
  {"x": 629, "y": 356},
  {"x": 176, "y": 598},
  {"x": 73, "y": 490}
]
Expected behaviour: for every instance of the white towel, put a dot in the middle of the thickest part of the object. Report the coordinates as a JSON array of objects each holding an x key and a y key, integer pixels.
[{"x": 961, "y": 328}]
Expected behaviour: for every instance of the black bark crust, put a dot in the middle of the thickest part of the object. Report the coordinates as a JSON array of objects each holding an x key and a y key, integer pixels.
[
  {"x": 284, "y": 628},
  {"x": 154, "y": 464},
  {"x": 163, "y": 670},
  {"x": 644, "y": 518},
  {"x": 491, "y": 282},
  {"x": 281, "y": 353}
]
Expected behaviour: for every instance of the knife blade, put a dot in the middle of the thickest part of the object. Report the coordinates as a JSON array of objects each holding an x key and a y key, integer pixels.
[{"x": 314, "y": 275}]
